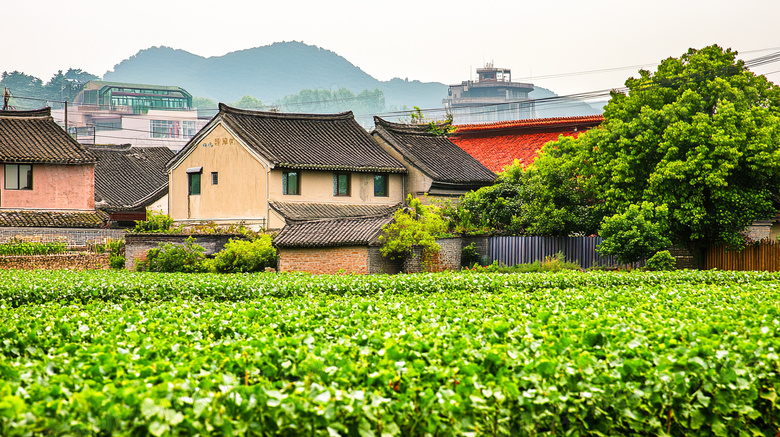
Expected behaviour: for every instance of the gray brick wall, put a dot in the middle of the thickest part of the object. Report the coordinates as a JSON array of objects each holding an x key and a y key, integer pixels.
[
  {"x": 378, "y": 264},
  {"x": 73, "y": 237}
]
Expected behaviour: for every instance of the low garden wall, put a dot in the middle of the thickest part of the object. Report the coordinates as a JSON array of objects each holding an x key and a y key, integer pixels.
[
  {"x": 72, "y": 237},
  {"x": 68, "y": 261}
]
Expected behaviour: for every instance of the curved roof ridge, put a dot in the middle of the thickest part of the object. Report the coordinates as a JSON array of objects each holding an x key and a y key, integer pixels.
[
  {"x": 346, "y": 115},
  {"x": 530, "y": 122},
  {"x": 43, "y": 112},
  {"x": 417, "y": 129}
]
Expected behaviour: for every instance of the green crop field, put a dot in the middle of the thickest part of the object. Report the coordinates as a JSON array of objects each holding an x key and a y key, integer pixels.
[{"x": 115, "y": 354}]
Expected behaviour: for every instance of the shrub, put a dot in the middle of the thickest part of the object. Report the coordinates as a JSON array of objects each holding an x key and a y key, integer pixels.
[
  {"x": 245, "y": 256},
  {"x": 469, "y": 255},
  {"x": 155, "y": 222},
  {"x": 169, "y": 258},
  {"x": 416, "y": 224},
  {"x": 17, "y": 247},
  {"x": 636, "y": 233},
  {"x": 661, "y": 261},
  {"x": 116, "y": 261},
  {"x": 553, "y": 263}
]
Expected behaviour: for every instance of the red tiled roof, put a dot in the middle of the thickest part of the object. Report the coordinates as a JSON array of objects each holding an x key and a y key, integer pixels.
[{"x": 497, "y": 145}]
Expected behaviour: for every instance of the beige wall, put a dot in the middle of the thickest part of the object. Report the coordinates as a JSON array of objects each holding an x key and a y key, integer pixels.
[
  {"x": 54, "y": 187},
  {"x": 241, "y": 190},
  {"x": 417, "y": 183}
]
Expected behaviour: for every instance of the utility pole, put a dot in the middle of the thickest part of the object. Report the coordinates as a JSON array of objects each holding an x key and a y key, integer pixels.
[{"x": 6, "y": 97}]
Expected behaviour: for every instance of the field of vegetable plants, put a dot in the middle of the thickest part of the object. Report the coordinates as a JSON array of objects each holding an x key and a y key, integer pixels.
[{"x": 569, "y": 353}]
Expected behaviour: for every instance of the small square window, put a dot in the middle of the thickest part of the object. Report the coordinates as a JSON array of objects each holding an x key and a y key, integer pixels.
[
  {"x": 214, "y": 178},
  {"x": 380, "y": 185},
  {"x": 341, "y": 184},
  {"x": 291, "y": 183},
  {"x": 18, "y": 177}
]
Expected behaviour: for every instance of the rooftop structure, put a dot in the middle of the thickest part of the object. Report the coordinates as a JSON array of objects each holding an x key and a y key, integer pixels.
[{"x": 492, "y": 97}]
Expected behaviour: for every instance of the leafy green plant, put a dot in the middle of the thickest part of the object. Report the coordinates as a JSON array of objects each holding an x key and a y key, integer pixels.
[
  {"x": 661, "y": 261},
  {"x": 635, "y": 234},
  {"x": 554, "y": 263},
  {"x": 156, "y": 222},
  {"x": 417, "y": 224},
  {"x": 18, "y": 247},
  {"x": 169, "y": 257},
  {"x": 469, "y": 255},
  {"x": 245, "y": 256}
]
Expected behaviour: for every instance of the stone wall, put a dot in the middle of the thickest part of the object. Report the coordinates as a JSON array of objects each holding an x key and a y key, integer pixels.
[
  {"x": 136, "y": 245},
  {"x": 378, "y": 264},
  {"x": 324, "y": 260},
  {"x": 72, "y": 237},
  {"x": 69, "y": 261},
  {"x": 759, "y": 230},
  {"x": 684, "y": 258},
  {"x": 448, "y": 257},
  {"x": 482, "y": 245}
]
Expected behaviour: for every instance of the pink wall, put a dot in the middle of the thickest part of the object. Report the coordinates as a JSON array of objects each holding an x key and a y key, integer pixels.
[{"x": 54, "y": 187}]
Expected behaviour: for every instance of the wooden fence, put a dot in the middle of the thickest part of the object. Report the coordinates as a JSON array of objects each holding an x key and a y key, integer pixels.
[{"x": 764, "y": 255}]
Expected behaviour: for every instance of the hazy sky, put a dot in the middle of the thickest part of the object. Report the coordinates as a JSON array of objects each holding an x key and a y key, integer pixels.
[{"x": 441, "y": 41}]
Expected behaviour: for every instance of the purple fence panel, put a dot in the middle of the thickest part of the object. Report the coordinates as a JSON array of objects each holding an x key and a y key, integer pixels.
[{"x": 522, "y": 250}]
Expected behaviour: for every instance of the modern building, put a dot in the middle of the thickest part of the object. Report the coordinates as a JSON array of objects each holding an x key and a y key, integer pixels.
[
  {"x": 492, "y": 97},
  {"x": 135, "y": 114}
]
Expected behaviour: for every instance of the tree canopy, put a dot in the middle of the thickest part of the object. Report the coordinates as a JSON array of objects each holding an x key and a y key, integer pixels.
[{"x": 700, "y": 136}]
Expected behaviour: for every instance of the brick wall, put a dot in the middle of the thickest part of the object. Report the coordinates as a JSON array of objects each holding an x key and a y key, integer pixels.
[
  {"x": 73, "y": 237},
  {"x": 324, "y": 260},
  {"x": 136, "y": 245},
  {"x": 70, "y": 261},
  {"x": 482, "y": 245}
]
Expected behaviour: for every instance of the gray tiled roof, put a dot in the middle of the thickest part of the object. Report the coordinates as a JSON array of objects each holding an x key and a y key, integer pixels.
[
  {"x": 435, "y": 155},
  {"x": 52, "y": 219},
  {"x": 34, "y": 137},
  {"x": 311, "y": 210},
  {"x": 306, "y": 141},
  {"x": 128, "y": 178},
  {"x": 332, "y": 232}
]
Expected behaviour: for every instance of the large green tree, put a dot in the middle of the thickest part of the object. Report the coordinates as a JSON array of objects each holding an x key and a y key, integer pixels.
[{"x": 700, "y": 136}]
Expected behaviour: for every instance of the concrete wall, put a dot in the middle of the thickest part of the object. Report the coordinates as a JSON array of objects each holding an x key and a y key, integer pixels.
[
  {"x": 241, "y": 191},
  {"x": 325, "y": 260},
  {"x": 73, "y": 237},
  {"x": 54, "y": 187},
  {"x": 136, "y": 245}
]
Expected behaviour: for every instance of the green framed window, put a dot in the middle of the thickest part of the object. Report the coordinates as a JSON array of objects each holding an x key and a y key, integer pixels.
[
  {"x": 380, "y": 185},
  {"x": 193, "y": 180},
  {"x": 341, "y": 184},
  {"x": 291, "y": 183}
]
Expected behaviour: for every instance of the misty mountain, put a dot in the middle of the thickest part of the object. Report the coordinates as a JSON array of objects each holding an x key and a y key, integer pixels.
[{"x": 272, "y": 72}]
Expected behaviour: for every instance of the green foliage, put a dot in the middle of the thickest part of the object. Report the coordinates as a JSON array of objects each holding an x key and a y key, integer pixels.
[
  {"x": 417, "y": 224},
  {"x": 116, "y": 258},
  {"x": 18, "y": 248},
  {"x": 700, "y": 136},
  {"x": 660, "y": 262},
  {"x": 554, "y": 263},
  {"x": 156, "y": 222},
  {"x": 636, "y": 233},
  {"x": 61, "y": 87},
  {"x": 469, "y": 255},
  {"x": 564, "y": 353},
  {"x": 172, "y": 258},
  {"x": 246, "y": 256},
  {"x": 204, "y": 103},
  {"x": 496, "y": 207},
  {"x": 321, "y": 101},
  {"x": 249, "y": 102},
  {"x": 435, "y": 127}
]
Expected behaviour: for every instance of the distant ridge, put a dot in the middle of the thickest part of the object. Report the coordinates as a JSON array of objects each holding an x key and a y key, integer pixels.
[{"x": 272, "y": 72}]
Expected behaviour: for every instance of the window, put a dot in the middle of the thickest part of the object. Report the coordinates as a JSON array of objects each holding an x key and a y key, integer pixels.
[
  {"x": 214, "y": 178},
  {"x": 291, "y": 183},
  {"x": 18, "y": 177},
  {"x": 193, "y": 180},
  {"x": 172, "y": 129},
  {"x": 341, "y": 184},
  {"x": 380, "y": 185}
]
